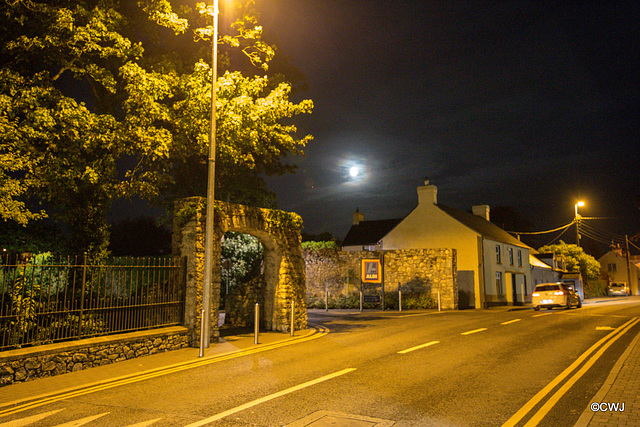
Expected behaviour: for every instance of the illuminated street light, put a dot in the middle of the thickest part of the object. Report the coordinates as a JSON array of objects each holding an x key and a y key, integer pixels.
[
  {"x": 577, "y": 219},
  {"x": 208, "y": 237}
]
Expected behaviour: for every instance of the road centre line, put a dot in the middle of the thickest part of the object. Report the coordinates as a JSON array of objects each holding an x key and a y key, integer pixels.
[
  {"x": 68, "y": 393},
  {"x": 418, "y": 347},
  {"x": 510, "y": 321},
  {"x": 419, "y": 314},
  {"x": 541, "y": 314},
  {"x": 269, "y": 397},
  {"x": 515, "y": 418},
  {"x": 474, "y": 331},
  {"x": 549, "y": 404}
]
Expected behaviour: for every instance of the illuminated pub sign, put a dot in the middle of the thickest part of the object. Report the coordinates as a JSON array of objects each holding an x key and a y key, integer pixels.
[{"x": 371, "y": 271}]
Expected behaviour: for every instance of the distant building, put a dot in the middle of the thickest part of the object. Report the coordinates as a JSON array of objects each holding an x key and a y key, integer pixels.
[
  {"x": 614, "y": 267},
  {"x": 549, "y": 268},
  {"x": 492, "y": 266}
]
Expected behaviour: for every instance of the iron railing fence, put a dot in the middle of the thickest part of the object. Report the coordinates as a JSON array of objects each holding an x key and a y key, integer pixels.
[{"x": 45, "y": 300}]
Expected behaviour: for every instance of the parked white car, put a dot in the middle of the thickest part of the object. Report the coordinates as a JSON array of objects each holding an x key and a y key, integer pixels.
[
  {"x": 619, "y": 289},
  {"x": 549, "y": 295}
]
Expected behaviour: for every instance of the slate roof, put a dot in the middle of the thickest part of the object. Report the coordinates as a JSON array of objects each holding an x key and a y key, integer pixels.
[
  {"x": 482, "y": 226},
  {"x": 369, "y": 232}
]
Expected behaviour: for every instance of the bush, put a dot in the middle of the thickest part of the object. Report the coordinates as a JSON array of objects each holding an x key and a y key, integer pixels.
[
  {"x": 409, "y": 301},
  {"x": 595, "y": 288}
]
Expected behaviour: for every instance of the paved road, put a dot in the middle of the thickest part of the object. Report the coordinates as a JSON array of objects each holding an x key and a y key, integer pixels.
[{"x": 412, "y": 369}]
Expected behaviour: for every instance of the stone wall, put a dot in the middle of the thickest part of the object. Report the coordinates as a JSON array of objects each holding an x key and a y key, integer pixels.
[
  {"x": 54, "y": 359},
  {"x": 284, "y": 275},
  {"x": 416, "y": 271}
]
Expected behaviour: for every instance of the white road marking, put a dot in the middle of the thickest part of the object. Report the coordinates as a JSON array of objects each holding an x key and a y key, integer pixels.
[
  {"x": 474, "y": 331},
  {"x": 82, "y": 421},
  {"x": 604, "y": 328},
  {"x": 418, "y": 347},
  {"x": 270, "y": 397},
  {"x": 145, "y": 423},
  {"x": 420, "y": 314},
  {"x": 511, "y": 321},
  {"x": 29, "y": 420}
]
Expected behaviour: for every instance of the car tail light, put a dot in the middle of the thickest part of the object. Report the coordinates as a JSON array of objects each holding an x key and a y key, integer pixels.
[
  {"x": 535, "y": 294},
  {"x": 558, "y": 293}
]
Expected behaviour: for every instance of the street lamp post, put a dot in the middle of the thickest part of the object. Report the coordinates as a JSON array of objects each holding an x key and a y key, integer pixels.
[
  {"x": 577, "y": 219},
  {"x": 208, "y": 238}
]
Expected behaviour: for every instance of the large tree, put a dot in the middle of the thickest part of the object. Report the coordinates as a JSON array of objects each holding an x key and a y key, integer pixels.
[
  {"x": 576, "y": 259},
  {"x": 97, "y": 102}
]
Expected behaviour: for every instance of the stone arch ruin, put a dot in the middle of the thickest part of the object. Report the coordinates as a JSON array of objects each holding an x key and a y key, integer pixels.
[{"x": 284, "y": 268}]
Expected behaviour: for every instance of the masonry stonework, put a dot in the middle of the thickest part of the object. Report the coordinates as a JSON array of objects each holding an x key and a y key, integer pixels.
[
  {"x": 284, "y": 269},
  {"x": 422, "y": 271},
  {"x": 54, "y": 359}
]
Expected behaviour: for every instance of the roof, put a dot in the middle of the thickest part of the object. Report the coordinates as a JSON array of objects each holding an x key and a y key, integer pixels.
[
  {"x": 535, "y": 262},
  {"x": 369, "y": 232},
  {"x": 482, "y": 226}
]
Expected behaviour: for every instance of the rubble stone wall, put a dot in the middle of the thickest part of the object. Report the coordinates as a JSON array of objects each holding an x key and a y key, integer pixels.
[
  {"x": 54, "y": 359},
  {"x": 414, "y": 270},
  {"x": 284, "y": 275}
]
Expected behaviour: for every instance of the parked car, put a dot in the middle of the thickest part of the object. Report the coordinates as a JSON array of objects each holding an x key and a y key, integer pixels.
[
  {"x": 549, "y": 295},
  {"x": 619, "y": 289}
]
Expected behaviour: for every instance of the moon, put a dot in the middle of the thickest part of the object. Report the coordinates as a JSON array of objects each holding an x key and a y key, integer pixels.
[{"x": 354, "y": 171}]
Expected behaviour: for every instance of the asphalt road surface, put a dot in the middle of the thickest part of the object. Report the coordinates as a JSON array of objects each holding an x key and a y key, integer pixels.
[{"x": 454, "y": 368}]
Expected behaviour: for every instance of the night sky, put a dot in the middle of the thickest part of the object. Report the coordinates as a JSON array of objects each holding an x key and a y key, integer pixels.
[{"x": 526, "y": 104}]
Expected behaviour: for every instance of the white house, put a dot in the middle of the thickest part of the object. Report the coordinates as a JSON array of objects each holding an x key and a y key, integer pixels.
[
  {"x": 614, "y": 266},
  {"x": 493, "y": 266}
]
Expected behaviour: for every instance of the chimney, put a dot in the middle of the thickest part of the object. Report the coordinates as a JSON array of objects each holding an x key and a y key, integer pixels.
[
  {"x": 357, "y": 217},
  {"x": 427, "y": 194},
  {"x": 481, "y": 211}
]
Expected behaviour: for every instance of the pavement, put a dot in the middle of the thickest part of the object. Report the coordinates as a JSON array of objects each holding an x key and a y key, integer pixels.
[
  {"x": 617, "y": 403},
  {"x": 233, "y": 343},
  {"x": 621, "y": 388}
]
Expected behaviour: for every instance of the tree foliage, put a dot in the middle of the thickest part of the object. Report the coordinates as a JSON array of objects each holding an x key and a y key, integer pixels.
[
  {"x": 241, "y": 256},
  {"x": 576, "y": 259},
  {"x": 93, "y": 109}
]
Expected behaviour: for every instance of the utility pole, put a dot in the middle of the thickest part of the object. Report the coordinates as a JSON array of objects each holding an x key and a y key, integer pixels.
[
  {"x": 626, "y": 239},
  {"x": 577, "y": 219}
]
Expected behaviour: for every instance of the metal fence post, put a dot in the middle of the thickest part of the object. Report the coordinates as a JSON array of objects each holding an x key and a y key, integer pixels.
[
  {"x": 202, "y": 335},
  {"x": 360, "y": 300},
  {"x": 84, "y": 281},
  {"x": 293, "y": 317},
  {"x": 326, "y": 300},
  {"x": 399, "y": 300},
  {"x": 256, "y": 327}
]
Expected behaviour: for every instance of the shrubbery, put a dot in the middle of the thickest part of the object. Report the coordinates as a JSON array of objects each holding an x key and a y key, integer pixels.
[{"x": 409, "y": 301}]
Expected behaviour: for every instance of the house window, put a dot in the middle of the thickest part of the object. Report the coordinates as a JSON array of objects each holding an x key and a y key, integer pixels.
[
  {"x": 612, "y": 268},
  {"x": 510, "y": 256},
  {"x": 499, "y": 283},
  {"x": 519, "y": 258},
  {"x": 498, "y": 260}
]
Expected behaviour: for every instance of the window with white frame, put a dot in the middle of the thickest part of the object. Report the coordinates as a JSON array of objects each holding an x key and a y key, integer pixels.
[
  {"x": 498, "y": 257},
  {"x": 519, "y": 258},
  {"x": 499, "y": 283},
  {"x": 510, "y": 256}
]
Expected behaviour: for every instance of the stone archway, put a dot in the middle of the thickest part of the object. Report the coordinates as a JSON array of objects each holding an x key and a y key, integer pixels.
[{"x": 279, "y": 233}]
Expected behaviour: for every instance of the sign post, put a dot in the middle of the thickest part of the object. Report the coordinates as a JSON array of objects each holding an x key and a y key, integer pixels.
[{"x": 372, "y": 273}]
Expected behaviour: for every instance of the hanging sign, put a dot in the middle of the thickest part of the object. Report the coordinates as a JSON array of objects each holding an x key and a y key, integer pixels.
[{"x": 371, "y": 271}]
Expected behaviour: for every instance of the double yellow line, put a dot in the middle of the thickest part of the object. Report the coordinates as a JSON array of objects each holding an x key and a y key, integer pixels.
[
  {"x": 134, "y": 378},
  {"x": 599, "y": 348}
]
